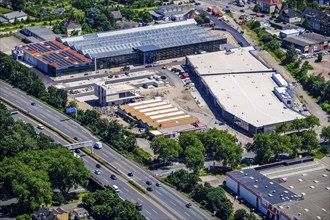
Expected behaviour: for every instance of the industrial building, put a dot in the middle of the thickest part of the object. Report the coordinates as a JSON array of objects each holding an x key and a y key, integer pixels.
[
  {"x": 52, "y": 57},
  {"x": 142, "y": 45},
  {"x": 244, "y": 92},
  {"x": 159, "y": 114},
  {"x": 115, "y": 94},
  {"x": 290, "y": 190},
  {"x": 307, "y": 42},
  {"x": 39, "y": 33}
]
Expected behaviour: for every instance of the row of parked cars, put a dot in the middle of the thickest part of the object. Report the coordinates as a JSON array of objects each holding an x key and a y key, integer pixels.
[{"x": 307, "y": 55}]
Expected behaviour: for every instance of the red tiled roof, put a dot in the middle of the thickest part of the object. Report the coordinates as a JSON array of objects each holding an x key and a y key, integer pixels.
[
  {"x": 55, "y": 53},
  {"x": 272, "y": 2}
]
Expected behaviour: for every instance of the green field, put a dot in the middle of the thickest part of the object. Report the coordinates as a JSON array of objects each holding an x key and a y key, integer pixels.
[{"x": 4, "y": 10}]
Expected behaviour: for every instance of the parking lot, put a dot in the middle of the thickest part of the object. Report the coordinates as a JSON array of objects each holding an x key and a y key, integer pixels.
[{"x": 320, "y": 67}]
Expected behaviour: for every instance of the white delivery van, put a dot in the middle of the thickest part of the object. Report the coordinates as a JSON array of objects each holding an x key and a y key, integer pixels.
[{"x": 98, "y": 145}]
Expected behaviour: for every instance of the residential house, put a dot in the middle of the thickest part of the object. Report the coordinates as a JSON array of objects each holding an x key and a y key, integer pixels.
[
  {"x": 191, "y": 14},
  {"x": 50, "y": 214},
  {"x": 117, "y": 16},
  {"x": 290, "y": 16},
  {"x": 307, "y": 42},
  {"x": 173, "y": 12},
  {"x": 269, "y": 6},
  {"x": 80, "y": 213},
  {"x": 11, "y": 16},
  {"x": 72, "y": 27},
  {"x": 319, "y": 21},
  {"x": 128, "y": 24}
]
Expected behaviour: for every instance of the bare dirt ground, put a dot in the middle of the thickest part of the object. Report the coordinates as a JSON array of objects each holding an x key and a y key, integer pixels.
[
  {"x": 322, "y": 68},
  {"x": 8, "y": 43}
]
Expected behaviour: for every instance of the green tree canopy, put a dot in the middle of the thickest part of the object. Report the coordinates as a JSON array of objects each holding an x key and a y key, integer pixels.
[
  {"x": 193, "y": 158},
  {"x": 165, "y": 148}
]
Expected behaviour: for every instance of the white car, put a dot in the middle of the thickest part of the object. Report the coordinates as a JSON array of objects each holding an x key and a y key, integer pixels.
[
  {"x": 97, "y": 172},
  {"x": 40, "y": 126}
]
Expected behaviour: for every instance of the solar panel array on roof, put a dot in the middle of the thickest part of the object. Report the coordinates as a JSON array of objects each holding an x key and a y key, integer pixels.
[{"x": 122, "y": 42}]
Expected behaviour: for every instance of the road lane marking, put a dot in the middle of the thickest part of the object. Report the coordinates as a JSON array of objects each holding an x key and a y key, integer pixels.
[
  {"x": 125, "y": 189},
  {"x": 154, "y": 211},
  {"x": 140, "y": 200},
  {"x": 67, "y": 130},
  {"x": 173, "y": 203},
  {"x": 187, "y": 214},
  {"x": 158, "y": 193},
  {"x": 48, "y": 111},
  {"x": 148, "y": 212}
]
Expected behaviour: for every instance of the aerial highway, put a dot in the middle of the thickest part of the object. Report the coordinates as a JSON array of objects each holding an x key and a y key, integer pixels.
[{"x": 164, "y": 195}]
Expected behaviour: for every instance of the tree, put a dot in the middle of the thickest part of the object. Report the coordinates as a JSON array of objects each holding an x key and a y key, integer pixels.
[
  {"x": 106, "y": 204},
  {"x": 319, "y": 58},
  {"x": 311, "y": 121},
  {"x": 190, "y": 139},
  {"x": 291, "y": 54},
  {"x": 193, "y": 158},
  {"x": 326, "y": 134},
  {"x": 306, "y": 24},
  {"x": 182, "y": 180},
  {"x": 299, "y": 124},
  {"x": 18, "y": 4},
  {"x": 165, "y": 148},
  {"x": 256, "y": 8},
  {"x": 310, "y": 141},
  {"x": 283, "y": 127},
  {"x": 296, "y": 144},
  {"x": 240, "y": 214}
]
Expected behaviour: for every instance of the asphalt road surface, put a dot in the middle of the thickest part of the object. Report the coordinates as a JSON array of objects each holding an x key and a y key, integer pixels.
[
  {"x": 238, "y": 37},
  {"x": 165, "y": 196}
]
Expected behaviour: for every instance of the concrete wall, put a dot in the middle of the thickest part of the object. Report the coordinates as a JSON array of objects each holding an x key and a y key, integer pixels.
[{"x": 248, "y": 196}]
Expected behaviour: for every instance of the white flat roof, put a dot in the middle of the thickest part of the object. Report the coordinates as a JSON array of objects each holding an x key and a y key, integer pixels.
[
  {"x": 239, "y": 60},
  {"x": 250, "y": 97},
  {"x": 280, "y": 79}
]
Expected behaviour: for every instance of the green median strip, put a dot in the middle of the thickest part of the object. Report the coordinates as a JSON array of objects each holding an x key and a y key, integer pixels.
[{"x": 136, "y": 186}]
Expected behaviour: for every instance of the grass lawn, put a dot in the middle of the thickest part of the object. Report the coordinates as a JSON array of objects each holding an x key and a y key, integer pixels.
[
  {"x": 4, "y": 10},
  {"x": 318, "y": 155},
  {"x": 146, "y": 8}
]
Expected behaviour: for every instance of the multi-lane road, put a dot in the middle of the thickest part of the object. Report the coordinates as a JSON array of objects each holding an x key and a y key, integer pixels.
[{"x": 167, "y": 203}]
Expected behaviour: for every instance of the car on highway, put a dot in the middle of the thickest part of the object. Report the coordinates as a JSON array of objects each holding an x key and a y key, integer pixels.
[
  {"x": 164, "y": 67},
  {"x": 148, "y": 66},
  {"x": 240, "y": 43},
  {"x": 75, "y": 138},
  {"x": 98, "y": 166},
  {"x": 139, "y": 206},
  {"x": 98, "y": 145},
  {"x": 149, "y": 189},
  {"x": 113, "y": 177},
  {"x": 188, "y": 205},
  {"x": 158, "y": 184},
  {"x": 33, "y": 103},
  {"x": 149, "y": 182},
  {"x": 40, "y": 126},
  {"x": 97, "y": 172},
  {"x": 130, "y": 174},
  {"x": 116, "y": 188},
  {"x": 77, "y": 151}
]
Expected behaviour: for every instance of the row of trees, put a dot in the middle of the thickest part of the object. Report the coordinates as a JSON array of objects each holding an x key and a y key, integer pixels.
[
  {"x": 220, "y": 145},
  {"x": 31, "y": 166},
  {"x": 298, "y": 124},
  {"x": 213, "y": 199},
  {"x": 106, "y": 204},
  {"x": 23, "y": 78},
  {"x": 315, "y": 85}
]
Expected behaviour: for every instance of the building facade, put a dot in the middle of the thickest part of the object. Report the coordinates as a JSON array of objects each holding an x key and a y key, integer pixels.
[
  {"x": 269, "y": 6},
  {"x": 308, "y": 42},
  {"x": 318, "y": 21}
]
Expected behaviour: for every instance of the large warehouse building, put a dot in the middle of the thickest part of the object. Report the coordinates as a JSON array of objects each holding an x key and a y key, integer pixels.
[
  {"x": 245, "y": 90},
  {"x": 142, "y": 45},
  {"x": 288, "y": 190}
]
